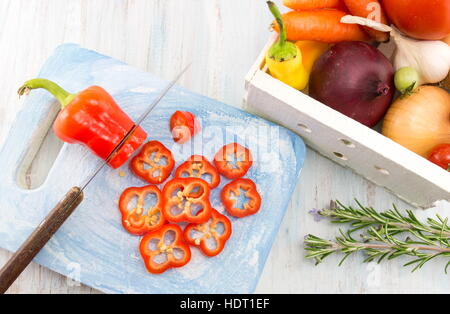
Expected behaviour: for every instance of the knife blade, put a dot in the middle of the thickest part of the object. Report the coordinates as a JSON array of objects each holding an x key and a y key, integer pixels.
[
  {"x": 136, "y": 125},
  {"x": 62, "y": 211}
]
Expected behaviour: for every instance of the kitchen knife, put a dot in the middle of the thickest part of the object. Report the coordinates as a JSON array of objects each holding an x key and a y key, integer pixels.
[{"x": 62, "y": 211}]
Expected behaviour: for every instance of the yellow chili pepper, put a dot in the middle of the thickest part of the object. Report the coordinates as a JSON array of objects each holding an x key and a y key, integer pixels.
[
  {"x": 284, "y": 59},
  {"x": 311, "y": 51}
]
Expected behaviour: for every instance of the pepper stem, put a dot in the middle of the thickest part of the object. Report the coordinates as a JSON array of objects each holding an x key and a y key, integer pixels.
[
  {"x": 282, "y": 50},
  {"x": 57, "y": 91},
  {"x": 277, "y": 14}
]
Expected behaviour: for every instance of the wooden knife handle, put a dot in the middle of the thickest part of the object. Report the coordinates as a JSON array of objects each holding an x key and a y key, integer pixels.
[{"x": 39, "y": 238}]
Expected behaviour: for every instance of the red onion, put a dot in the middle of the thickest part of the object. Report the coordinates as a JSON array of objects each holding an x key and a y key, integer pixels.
[{"x": 355, "y": 79}]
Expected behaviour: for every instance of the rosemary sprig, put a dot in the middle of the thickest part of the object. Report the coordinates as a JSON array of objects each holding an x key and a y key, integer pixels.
[
  {"x": 380, "y": 238},
  {"x": 364, "y": 217}
]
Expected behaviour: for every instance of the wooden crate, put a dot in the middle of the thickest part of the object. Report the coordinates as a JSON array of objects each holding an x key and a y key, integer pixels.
[{"x": 344, "y": 140}]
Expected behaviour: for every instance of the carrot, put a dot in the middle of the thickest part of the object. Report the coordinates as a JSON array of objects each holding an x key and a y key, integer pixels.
[
  {"x": 313, "y": 4},
  {"x": 369, "y": 9},
  {"x": 322, "y": 25}
]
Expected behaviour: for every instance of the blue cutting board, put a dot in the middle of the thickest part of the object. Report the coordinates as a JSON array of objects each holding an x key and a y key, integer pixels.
[{"x": 92, "y": 245}]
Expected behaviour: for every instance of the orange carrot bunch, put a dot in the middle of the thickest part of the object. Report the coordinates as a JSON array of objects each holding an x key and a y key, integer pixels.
[
  {"x": 313, "y": 4},
  {"x": 320, "y": 20},
  {"x": 322, "y": 25}
]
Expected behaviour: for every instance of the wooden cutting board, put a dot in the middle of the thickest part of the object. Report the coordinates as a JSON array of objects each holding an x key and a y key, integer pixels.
[{"x": 92, "y": 246}]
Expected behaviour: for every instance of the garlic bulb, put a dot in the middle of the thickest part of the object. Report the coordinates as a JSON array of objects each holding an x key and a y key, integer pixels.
[
  {"x": 430, "y": 58},
  {"x": 351, "y": 19}
]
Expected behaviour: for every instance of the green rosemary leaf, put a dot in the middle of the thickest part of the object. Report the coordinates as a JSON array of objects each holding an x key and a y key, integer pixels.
[
  {"x": 383, "y": 257},
  {"x": 345, "y": 257},
  {"x": 385, "y": 236},
  {"x": 446, "y": 268}
]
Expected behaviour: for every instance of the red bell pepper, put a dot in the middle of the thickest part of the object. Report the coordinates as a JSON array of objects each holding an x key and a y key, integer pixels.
[
  {"x": 92, "y": 118},
  {"x": 233, "y": 190},
  {"x": 199, "y": 167},
  {"x": 200, "y": 234},
  {"x": 154, "y": 163},
  {"x": 233, "y": 160},
  {"x": 142, "y": 217},
  {"x": 187, "y": 200},
  {"x": 164, "y": 249},
  {"x": 183, "y": 125}
]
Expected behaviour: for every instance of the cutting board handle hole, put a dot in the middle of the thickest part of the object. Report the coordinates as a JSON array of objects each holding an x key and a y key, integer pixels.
[{"x": 42, "y": 151}]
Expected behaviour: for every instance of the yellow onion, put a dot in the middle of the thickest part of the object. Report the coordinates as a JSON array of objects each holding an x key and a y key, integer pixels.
[{"x": 420, "y": 121}]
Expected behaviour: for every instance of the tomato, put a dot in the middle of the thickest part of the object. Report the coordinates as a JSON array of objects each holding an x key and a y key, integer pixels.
[
  {"x": 183, "y": 126},
  {"x": 440, "y": 155},
  {"x": 421, "y": 19}
]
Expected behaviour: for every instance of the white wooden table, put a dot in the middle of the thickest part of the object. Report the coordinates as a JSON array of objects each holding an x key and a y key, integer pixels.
[{"x": 223, "y": 37}]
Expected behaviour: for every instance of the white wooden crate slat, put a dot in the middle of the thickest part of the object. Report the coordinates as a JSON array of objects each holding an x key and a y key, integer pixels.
[{"x": 366, "y": 151}]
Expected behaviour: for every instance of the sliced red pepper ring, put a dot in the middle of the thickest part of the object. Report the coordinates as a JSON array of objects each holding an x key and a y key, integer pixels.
[
  {"x": 183, "y": 125},
  {"x": 164, "y": 249},
  {"x": 241, "y": 191},
  {"x": 154, "y": 163},
  {"x": 233, "y": 160},
  {"x": 199, "y": 167},
  {"x": 187, "y": 200},
  {"x": 140, "y": 214},
  {"x": 210, "y": 236}
]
